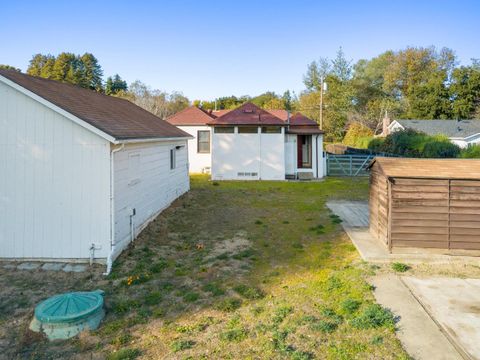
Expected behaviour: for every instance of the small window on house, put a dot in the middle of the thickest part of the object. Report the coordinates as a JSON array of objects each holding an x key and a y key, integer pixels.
[
  {"x": 271, "y": 130},
  {"x": 224, "y": 130},
  {"x": 173, "y": 160},
  {"x": 247, "y": 129},
  {"x": 203, "y": 141}
]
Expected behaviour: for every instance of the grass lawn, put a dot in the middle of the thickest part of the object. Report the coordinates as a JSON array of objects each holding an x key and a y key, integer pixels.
[{"x": 232, "y": 270}]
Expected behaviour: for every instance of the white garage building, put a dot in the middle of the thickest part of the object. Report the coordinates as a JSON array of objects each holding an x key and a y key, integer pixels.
[{"x": 81, "y": 173}]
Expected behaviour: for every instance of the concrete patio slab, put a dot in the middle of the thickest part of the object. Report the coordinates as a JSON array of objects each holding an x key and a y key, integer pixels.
[
  {"x": 355, "y": 215},
  {"x": 454, "y": 304},
  {"x": 416, "y": 330}
]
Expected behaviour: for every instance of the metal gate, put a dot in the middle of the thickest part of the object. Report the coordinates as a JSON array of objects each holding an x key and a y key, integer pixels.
[{"x": 348, "y": 165}]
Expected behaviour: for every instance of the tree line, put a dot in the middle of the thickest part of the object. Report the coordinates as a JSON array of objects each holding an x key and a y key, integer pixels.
[
  {"x": 414, "y": 83},
  {"x": 86, "y": 71}
]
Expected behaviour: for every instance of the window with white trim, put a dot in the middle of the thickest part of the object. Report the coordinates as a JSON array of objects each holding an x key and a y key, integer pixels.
[{"x": 203, "y": 141}]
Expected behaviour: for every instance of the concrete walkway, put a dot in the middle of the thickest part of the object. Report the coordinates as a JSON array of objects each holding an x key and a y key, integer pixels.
[
  {"x": 454, "y": 304},
  {"x": 418, "y": 333},
  {"x": 355, "y": 219}
]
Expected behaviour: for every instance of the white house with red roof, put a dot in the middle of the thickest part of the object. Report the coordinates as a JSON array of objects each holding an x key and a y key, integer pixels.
[{"x": 250, "y": 143}]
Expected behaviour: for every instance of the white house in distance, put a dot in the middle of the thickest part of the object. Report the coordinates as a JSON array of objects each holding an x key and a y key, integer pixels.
[
  {"x": 194, "y": 121},
  {"x": 249, "y": 143},
  {"x": 463, "y": 133},
  {"x": 82, "y": 173}
]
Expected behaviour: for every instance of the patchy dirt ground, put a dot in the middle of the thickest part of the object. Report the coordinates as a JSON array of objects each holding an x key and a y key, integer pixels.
[{"x": 231, "y": 270}]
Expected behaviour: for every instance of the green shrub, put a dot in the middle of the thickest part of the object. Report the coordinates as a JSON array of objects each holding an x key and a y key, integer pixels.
[
  {"x": 400, "y": 267},
  {"x": 374, "y": 316},
  {"x": 471, "y": 152},
  {"x": 357, "y": 135},
  {"x": 411, "y": 143},
  {"x": 440, "y": 149}
]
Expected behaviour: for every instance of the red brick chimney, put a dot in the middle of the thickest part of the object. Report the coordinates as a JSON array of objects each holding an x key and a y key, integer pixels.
[{"x": 386, "y": 123}]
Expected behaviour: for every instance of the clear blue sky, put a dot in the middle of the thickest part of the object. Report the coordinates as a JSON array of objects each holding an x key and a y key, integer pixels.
[{"x": 208, "y": 49}]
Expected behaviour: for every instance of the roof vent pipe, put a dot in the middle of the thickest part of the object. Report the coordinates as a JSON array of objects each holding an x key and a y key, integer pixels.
[{"x": 288, "y": 119}]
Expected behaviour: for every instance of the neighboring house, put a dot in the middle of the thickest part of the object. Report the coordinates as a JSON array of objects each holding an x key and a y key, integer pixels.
[
  {"x": 82, "y": 173},
  {"x": 249, "y": 143},
  {"x": 283, "y": 146},
  {"x": 463, "y": 133},
  {"x": 194, "y": 121}
]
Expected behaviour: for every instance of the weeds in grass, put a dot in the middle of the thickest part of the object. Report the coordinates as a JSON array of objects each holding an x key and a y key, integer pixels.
[
  {"x": 159, "y": 266},
  {"x": 297, "y": 245},
  {"x": 335, "y": 219},
  {"x": 244, "y": 254},
  {"x": 258, "y": 222},
  {"x": 215, "y": 183},
  {"x": 374, "y": 316},
  {"x": 180, "y": 345},
  {"x": 124, "y": 306},
  {"x": 285, "y": 222},
  {"x": 249, "y": 292},
  {"x": 191, "y": 297},
  {"x": 400, "y": 267},
  {"x": 153, "y": 298},
  {"x": 281, "y": 313},
  {"x": 350, "y": 306},
  {"x": 223, "y": 256},
  {"x": 123, "y": 339},
  {"x": 228, "y": 304},
  {"x": 237, "y": 334},
  {"x": 377, "y": 340},
  {"x": 319, "y": 229},
  {"x": 214, "y": 289},
  {"x": 124, "y": 354}
]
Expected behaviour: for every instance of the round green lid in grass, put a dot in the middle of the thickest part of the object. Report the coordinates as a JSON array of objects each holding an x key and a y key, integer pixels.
[{"x": 69, "y": 307}]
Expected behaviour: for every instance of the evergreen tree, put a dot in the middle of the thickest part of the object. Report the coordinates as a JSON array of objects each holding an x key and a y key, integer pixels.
[
  {"x": 92, "y": 72},
  {"x": 114, "y": 85},
  {"x": 9, "y": 67}
]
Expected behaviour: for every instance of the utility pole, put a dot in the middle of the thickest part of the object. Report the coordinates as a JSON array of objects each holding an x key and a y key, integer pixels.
[{"x": 323, "y": 87}]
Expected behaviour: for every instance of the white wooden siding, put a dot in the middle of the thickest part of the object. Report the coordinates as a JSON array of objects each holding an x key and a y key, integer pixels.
[
  {"x": 198, "y": 162},
  {"x": 144, "y": 181},
  {"x": 54, "y": 183}
]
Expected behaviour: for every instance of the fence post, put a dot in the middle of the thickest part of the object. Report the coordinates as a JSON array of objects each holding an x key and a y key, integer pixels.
[{"x": 351, "y": 160}]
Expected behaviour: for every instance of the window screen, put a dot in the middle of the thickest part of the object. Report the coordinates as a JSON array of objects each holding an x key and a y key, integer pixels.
[
  {"x": 247, "y": 129},
  {"x": 271, "y": 130},
  {"x": 203, "y": 141},
  {"x": 224, "y": 130}
]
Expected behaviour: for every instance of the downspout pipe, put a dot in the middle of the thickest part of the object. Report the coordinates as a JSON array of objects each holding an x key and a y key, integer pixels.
[
  {"x": 112, "y": 210},
  {"x": 316, "y": 154}
]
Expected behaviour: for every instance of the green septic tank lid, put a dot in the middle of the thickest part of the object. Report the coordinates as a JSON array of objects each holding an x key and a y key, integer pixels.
[{"x": 69, "y": 306}]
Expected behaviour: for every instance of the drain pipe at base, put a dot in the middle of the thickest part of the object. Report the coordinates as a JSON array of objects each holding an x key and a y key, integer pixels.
[{"x": 112, "y": 209}]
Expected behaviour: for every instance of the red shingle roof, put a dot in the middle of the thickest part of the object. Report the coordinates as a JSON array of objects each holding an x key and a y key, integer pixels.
[
  {"x": 191, "y": 116},
  {"x": 247, "y": 114},
  {"x": 116, "y": 117},
  {"x": 302, "y": 125}
]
